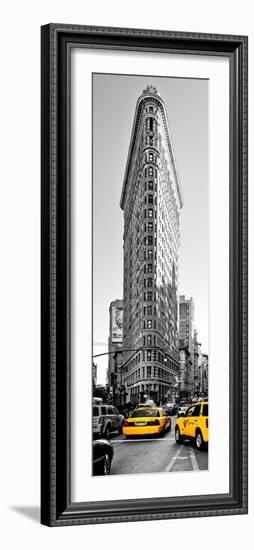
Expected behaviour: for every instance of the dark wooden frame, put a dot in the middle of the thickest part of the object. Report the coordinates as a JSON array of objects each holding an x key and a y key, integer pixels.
[{"x": 56, "y": 506}]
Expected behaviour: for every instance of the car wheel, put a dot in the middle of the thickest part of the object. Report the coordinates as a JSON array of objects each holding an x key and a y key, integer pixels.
[
  {"x": 178, "y": 436},
  {"x": 199, "y": 442},
  {"x": 107, "y": 432}
]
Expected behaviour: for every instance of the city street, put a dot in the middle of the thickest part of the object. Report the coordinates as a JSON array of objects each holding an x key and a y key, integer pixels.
[{"x": 147, "y": 455}]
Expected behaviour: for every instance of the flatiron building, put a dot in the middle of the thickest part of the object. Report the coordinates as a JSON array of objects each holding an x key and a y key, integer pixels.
[{"x": 151, "y": 200}]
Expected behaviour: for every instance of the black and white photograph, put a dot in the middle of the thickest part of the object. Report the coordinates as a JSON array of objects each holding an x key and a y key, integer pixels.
[{"x": 150, "y": 274}]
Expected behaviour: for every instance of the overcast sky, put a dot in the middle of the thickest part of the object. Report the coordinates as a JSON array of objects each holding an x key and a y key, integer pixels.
[{"x": 114, "y": 102}]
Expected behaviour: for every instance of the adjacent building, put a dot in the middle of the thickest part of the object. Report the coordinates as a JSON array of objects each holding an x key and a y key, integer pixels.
[
  {"x": 115, "y": 344},
  {"x": 201, "y": 365},
  {"x": 151, "y": 201},
  {"x": 186, "y": 338},
  {"x": 204, "y": 375},
  {"x": 186, "y": 322},
  {"x": 94, "y": 375},
  {"x": 185, "y": 390},
  {"x": 197, "y": 365}
]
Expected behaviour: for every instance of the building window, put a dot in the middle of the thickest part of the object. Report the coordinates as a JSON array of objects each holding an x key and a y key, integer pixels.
[
  {"x": 150, "y": 171},
  {"x": 150, "y": 226},
  {"x": 150, "y": 240},
  {"x": 149, "y": 340},
  {"x": 151, "y": 109},
  {"x": 149, "y": 268},
  {"x": 150, "y": 254},
  {"x": 149, "y": 310},
  {"x": 149, "y": 296},
  {"x": 150, "y": 199},
  {"x": 149, "y": 355},
  {"x": 150, "y": 213},
  {"x": 149, "y": 323},
  {"x": 150, "y": 185},
  {"x": 144, "y": 340},
  {"x": 150, "y": 282},
  {"x": 150, "y": 157}
]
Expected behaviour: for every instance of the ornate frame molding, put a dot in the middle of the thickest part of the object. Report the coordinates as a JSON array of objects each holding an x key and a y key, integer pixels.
[{"x": 56, "y": 506}]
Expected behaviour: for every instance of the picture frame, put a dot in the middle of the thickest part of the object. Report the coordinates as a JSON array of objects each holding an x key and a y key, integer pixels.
[{"x": 57, "y": 508}]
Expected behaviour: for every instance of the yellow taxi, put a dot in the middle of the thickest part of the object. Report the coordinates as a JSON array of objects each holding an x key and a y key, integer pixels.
[
  {"x": 147, "y": 421},
  {"x": 194, "y": 425}
]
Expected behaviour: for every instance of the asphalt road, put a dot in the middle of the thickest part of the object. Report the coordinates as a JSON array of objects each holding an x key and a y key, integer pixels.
[{"x": 147, "y": 455}]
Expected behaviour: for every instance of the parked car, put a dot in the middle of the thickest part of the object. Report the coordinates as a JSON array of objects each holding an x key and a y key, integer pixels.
[
  {"x": 170, "y": 408},
  {"x": 147, "y": 421},
  {"x": 194, "y": 425},
  {"x": 102, "y": 457},
  {"x": 106, "y": 419},
  {"x": 182, "y": 408}
]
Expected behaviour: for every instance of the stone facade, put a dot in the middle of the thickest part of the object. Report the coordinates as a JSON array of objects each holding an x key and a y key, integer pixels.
[{"x": 151, "y": 200}]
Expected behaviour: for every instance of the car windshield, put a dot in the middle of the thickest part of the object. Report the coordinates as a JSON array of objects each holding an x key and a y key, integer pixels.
[{"x": 140, "y": 413}]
